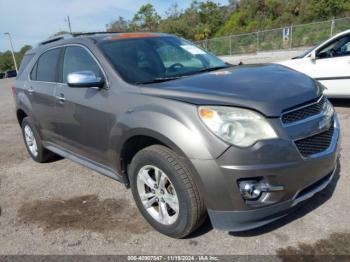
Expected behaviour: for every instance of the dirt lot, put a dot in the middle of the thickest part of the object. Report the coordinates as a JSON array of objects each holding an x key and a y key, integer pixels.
[{"x": 63, "y": 208}]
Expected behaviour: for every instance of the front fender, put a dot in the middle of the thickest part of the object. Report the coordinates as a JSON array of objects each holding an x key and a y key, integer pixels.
[{"x": 180, "y": 129}]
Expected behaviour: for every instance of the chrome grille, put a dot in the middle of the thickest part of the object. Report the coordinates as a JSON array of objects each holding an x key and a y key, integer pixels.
[
  {"x": 304, "y": 112},
  {"x": 316, "y": 143}
]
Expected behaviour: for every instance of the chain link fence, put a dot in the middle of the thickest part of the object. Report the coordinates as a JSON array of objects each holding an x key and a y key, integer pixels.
[{"x": 276, "y": 39}]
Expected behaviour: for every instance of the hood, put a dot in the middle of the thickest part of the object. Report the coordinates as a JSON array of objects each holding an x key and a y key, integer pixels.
[{"x": 269, "y": 89}]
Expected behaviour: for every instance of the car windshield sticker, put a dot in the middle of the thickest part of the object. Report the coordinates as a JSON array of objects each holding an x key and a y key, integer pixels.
[{"x": 193, "y": 49}]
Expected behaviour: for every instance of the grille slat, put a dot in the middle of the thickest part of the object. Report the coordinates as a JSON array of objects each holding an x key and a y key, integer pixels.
[
  {"x": 303, "y": 113},
  {"x": 316, "y": 143}
]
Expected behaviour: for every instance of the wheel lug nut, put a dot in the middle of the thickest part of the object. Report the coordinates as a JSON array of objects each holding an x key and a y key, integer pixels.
[
  {"x": 153, "y": 191},
  {"x": 162, "y": 191},
  {"x": 157, "y": 200}
]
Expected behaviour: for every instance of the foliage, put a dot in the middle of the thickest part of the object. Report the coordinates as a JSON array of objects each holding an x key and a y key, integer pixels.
[
  {"x": 6, "y": 61},
  {"x": 146, "y": 19},
  {"x": 255, "y": 15},
  {"x": 207, "y": 19},
  {"x": 199, "y": 21},
  {"x": 119, "y": 25}
]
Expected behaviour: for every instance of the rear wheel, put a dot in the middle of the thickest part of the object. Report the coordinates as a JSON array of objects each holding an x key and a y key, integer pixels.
[
  {"x": 165, "y": 193},
  {"x": 33, "y": 143}
]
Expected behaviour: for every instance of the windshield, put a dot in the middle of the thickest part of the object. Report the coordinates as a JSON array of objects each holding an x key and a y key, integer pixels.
[
  {"x": 305, "y": 53},
  {"x": 156, "y": 59}
]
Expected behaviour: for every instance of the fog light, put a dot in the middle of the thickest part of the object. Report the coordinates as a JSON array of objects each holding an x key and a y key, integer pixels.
[{"x": 250, "y": 189}]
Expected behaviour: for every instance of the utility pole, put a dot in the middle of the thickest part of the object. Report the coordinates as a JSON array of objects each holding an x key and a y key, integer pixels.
[
  {"x": 13, "y": 54},
  {"x": 332, "y": 26},
  {"x": 68, "y": 21}
]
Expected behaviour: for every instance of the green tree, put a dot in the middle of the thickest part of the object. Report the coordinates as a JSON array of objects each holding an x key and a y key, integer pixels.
[
  {"x": 206, "y": 19},
  {"x": 210, "y": 17},
  {"x": 146, "y": 19},
  {"x": 119, "y": 25},
  {"x": 328, "y": 8},
  {"x": 6, "y": 60}
]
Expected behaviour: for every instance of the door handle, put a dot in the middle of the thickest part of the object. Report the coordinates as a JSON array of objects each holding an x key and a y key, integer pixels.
[
  {"x": 61, "y": 98},
  {"x": 30, "y": 90}
]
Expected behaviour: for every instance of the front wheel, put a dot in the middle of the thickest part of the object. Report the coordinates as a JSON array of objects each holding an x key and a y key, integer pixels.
[{"x": 165, "y": 193}]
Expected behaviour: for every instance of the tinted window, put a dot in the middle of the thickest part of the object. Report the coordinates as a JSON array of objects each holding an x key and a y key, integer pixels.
[
  {"x": 46, "y": 66},
  {"x": 77, "y": 59},
  {"x": 25, "y": 61}
]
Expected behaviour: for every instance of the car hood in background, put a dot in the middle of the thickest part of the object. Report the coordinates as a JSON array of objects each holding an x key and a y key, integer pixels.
[{"x": 268, "y": 88}]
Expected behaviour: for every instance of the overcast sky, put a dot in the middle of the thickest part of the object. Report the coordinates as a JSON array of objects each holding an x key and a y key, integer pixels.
[{"x": 31, "y": 21}]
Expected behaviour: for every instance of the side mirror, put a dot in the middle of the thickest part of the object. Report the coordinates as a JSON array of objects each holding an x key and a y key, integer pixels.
[
  {"x": 85, "y": 79},
  {"x": 313, "y": 55}
]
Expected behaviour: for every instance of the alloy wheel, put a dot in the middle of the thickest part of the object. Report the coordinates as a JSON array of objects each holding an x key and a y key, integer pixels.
[{"x": 157, "y": 194}]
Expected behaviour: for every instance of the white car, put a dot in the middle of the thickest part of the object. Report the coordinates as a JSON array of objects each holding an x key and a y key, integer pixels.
[{"x": 328, "y": 63}]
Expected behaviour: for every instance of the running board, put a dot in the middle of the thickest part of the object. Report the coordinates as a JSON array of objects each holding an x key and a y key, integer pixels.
[{"x": 84, "y": 162}]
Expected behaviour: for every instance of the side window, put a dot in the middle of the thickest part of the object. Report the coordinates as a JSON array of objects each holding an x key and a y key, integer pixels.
[
  {"x": 46, "y": 67},
  {"x": 339, "y": 47},
  {"x": 77, "y": 59}
]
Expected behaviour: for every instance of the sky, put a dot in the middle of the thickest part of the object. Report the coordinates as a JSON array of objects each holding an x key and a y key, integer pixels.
[{"x": 31, "y": 21}]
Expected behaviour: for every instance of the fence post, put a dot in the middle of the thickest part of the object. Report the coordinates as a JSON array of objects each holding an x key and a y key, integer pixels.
[
  {"x": 257, "y": 41},
  {"x": 230, "y": 44},
  {"x": 332, "y": 26},
  {"x": 291, "y": 37}
]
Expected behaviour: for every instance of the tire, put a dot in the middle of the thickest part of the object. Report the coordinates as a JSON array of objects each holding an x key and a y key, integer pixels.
[
  {"x": 41, "y": 154},
  {"x": 176, "y": 181}
]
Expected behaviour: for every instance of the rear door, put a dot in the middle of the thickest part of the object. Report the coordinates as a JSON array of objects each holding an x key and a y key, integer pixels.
[
  {"x": 84, "y": 123},
  {"x": 41, "y": 90}
]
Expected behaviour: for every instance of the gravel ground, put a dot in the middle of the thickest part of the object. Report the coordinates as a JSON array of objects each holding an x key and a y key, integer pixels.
[{"x": 63, "y": 208}]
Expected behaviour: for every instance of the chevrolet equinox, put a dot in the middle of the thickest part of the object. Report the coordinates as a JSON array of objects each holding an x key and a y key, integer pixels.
[{"x": 189, "y": 134}]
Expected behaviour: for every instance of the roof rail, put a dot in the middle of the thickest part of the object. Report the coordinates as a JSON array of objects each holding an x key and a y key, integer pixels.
[
  {"x": 67, "y": 36},
  {"x": 56, "y": 38},
  {"x": 95, "y": 33}
]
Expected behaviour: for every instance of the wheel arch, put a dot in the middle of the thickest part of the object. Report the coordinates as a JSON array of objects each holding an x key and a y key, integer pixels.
[
  {"x": 139, "y": 139},
  {"x": 21, "y": 114}
]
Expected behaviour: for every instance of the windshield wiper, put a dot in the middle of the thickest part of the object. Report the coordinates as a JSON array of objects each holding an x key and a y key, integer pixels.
[
  {"x": 164, "y": 79},
  {"x": 208, "y": 69},
  {"x": 158, "y": 80}
]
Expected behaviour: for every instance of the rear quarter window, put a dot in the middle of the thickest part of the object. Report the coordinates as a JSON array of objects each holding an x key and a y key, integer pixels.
[
  {"x": 46, "y": 68},
  {"x": 25, "y": 61}
]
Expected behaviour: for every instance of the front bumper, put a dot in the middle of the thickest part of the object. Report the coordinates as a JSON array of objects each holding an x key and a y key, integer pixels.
[
  {"x": 276, "y": 162},
  {"x": 245, "y": 220}
]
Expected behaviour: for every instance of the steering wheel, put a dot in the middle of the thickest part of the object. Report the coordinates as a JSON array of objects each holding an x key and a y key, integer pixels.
[
  {"x": 333, "y": 52},
  {"x": 175, "y": 67}
]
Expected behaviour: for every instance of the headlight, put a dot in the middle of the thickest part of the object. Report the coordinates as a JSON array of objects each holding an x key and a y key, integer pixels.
[
  {"x": 328, "y": 109},
  {"x": 237, "y": 126}
]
